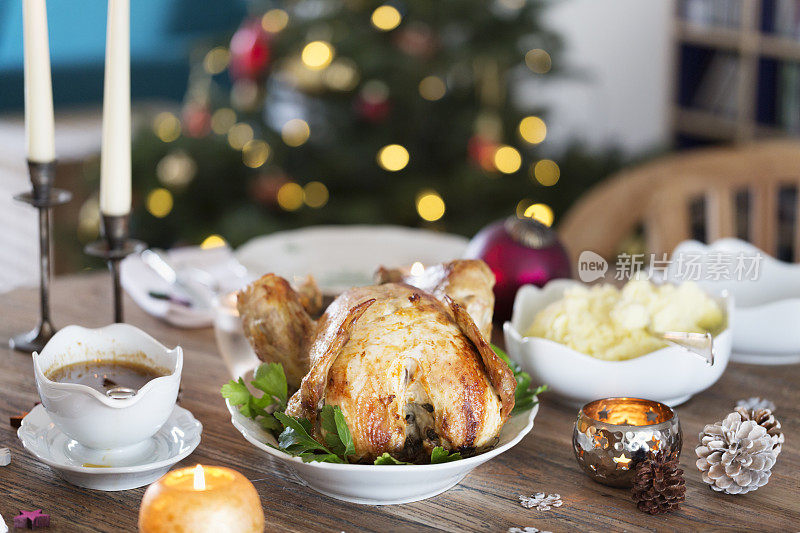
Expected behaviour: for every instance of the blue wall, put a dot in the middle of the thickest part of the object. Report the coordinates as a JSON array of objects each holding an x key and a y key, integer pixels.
[{"x": 163, "y": 34}]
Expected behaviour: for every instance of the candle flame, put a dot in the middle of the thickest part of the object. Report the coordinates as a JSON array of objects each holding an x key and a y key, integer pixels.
[
  {"x": 199, "y": 478},
  {"x": 417, "y": 269}
]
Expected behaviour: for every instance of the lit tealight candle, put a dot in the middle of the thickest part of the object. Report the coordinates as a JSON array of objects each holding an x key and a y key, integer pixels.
[{"x": 200, "y": 499}]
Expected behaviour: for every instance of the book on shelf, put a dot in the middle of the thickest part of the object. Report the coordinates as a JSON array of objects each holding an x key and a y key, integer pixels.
[
  {"x": 716, "y": 13},
  {"x": 786, "y": 22},
  {"x": 788, "y": 108},
  {"x": 717, "y": 90}
]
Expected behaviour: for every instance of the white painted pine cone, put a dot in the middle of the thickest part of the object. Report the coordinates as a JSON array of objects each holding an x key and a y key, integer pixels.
[{"x": 736, "y": 456}]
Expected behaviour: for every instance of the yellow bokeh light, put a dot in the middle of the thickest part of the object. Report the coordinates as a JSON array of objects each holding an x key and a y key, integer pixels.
[
  {"x": 295, "y": 132},
  {"x": 239, "y": 135},
  {"x": 159, "y": 202},
  {"x": 522, "y": 206},
  {"x": 274, "y": 20},
  {"x": 223, "y": 120},
  {"x": 176, "y": 169},
  {"x": 430, "y": 206},
  {"x": 212, "y": 241},
  {"x": 540, "y": 212},
  {"x": 538, "y": 61},
  {"x": 89, "y": 220},
  {"x": 255, "y": 153},
  {"x": 507, "y": 159},
  {"x": 432, "y": 88},
  {"x": 244, "y": 95},
  {"x": 315, "y": 194},
  {"x": 386, "y": 17},
  {"x": 546, "y": 172},
  {"x": 290, "y": 196},
  {"x": 533, "y": 129},
  {"x": 216, "y": 60},
  {"x": 341, "y": 75},
  {"x": 317, "y": 55},
  {"x": 167, "y": 126},
  {"x": 393, "y": 157}
]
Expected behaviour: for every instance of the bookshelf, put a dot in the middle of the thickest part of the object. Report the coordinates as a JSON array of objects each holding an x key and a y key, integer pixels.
[{"x": 737, "y": 65}]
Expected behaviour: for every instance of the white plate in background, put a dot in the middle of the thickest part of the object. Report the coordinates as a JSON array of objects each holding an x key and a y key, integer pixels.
[{"x": 341, "y": 257}]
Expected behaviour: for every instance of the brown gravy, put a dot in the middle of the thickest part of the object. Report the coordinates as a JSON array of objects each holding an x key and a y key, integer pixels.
[{"x": 102, "y": 374}]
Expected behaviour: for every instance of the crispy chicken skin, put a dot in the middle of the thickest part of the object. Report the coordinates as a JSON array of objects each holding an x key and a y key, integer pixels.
[
  {"x": 410, "y": 371},
  {"x": 467, "y": 281},
  {"x": 277, "y": 324}
]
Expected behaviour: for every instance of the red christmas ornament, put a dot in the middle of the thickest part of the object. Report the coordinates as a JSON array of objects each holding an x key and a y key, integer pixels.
[
  {"x": 250, "y": 51},
  {"x": 416, "y": 40},
  {"x": 481, "y": 152},
  {"x": 196, "y": 120},
  {"x": 264, "y": 188},
  {"x": 519, "y": 251},
  {"x": 372, "y": 110}
]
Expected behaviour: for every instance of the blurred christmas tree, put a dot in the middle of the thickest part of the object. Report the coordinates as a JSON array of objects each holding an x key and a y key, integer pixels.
[{"x": 353, "y": 111}]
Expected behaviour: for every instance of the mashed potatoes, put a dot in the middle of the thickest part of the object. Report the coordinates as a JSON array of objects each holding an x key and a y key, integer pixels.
[{"x": 612, "y": 324}]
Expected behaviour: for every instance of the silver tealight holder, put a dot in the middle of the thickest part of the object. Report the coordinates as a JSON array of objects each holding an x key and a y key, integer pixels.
[{"x": 613, "y": 435}]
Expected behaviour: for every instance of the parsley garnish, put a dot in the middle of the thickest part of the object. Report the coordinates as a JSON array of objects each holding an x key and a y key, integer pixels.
[{"x": 294, "y": 434}]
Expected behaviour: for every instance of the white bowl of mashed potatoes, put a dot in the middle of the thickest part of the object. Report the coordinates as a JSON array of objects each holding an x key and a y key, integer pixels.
[{"x": 590, "y": 342}]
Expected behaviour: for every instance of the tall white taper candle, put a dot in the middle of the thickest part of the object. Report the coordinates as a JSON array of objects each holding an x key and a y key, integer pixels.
[
  {"x": 115, "y": 158},
  {"x": 39, "y": 123}
]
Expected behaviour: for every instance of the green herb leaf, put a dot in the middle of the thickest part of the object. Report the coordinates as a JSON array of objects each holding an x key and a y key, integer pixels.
[
  {"x": 296, "y": 440},
  {"x": 270, "y": 378},
  {"x": 344, "y": 432},
  {"x": 337, "y": 434},
  {"x": 270, "y": 423},
  {"x": 236, "y": 392},
  {"x": 320, "y": 458},
  {"x": 440, "y": 455},
  {"x": 387, "y": 459},
  {"x": 523, "y": 395}
]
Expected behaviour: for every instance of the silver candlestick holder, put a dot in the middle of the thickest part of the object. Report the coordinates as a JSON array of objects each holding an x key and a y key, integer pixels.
[
  {"x": 43, "y": 197},
  {"x": 114, "y": 246}
]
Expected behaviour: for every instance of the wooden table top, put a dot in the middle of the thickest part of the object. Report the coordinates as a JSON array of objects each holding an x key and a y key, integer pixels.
[{"x": 486, "y": 500}]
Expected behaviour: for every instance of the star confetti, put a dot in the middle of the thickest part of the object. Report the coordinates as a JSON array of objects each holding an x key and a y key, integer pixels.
[
  {"x": 31, "y": 519},
  {"x": 527, "y": 529},
  {"x": 5, "y": 456},
  {"x": 541, "y": 501},
  {"x": 755, "y": 403}
]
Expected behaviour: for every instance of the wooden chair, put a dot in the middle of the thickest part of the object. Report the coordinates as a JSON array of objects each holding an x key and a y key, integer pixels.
[{"x": 748, "y": 191}]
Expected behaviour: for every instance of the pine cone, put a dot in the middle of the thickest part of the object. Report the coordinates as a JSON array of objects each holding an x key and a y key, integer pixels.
[
  {"x": 736, "y": 455},
  {"x": 765, "y": 418},
  {"x": 658, "y": 484},
  {"x": 754, "y": 402}
]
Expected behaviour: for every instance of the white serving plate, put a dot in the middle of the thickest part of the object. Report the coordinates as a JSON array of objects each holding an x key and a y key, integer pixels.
[
  {"x": 767, "y": 308},
  {"x": 382, "y": 484},
  {"x": 341, "y": 257},
  {"x": 670, "y": 375},
  {"x": 176, "y": 439}
]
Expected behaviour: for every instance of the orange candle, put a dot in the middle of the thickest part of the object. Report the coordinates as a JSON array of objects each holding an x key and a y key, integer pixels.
[{"x": 201, "y": 499}]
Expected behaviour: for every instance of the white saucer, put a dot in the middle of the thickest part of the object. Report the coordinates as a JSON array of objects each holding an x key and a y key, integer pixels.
[
  {"x": 768, "y": 359},
  {"x": 179, "y": 436}
]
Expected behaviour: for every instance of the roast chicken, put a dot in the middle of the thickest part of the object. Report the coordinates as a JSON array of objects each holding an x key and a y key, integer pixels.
[{"x": 407, "y": 360}]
